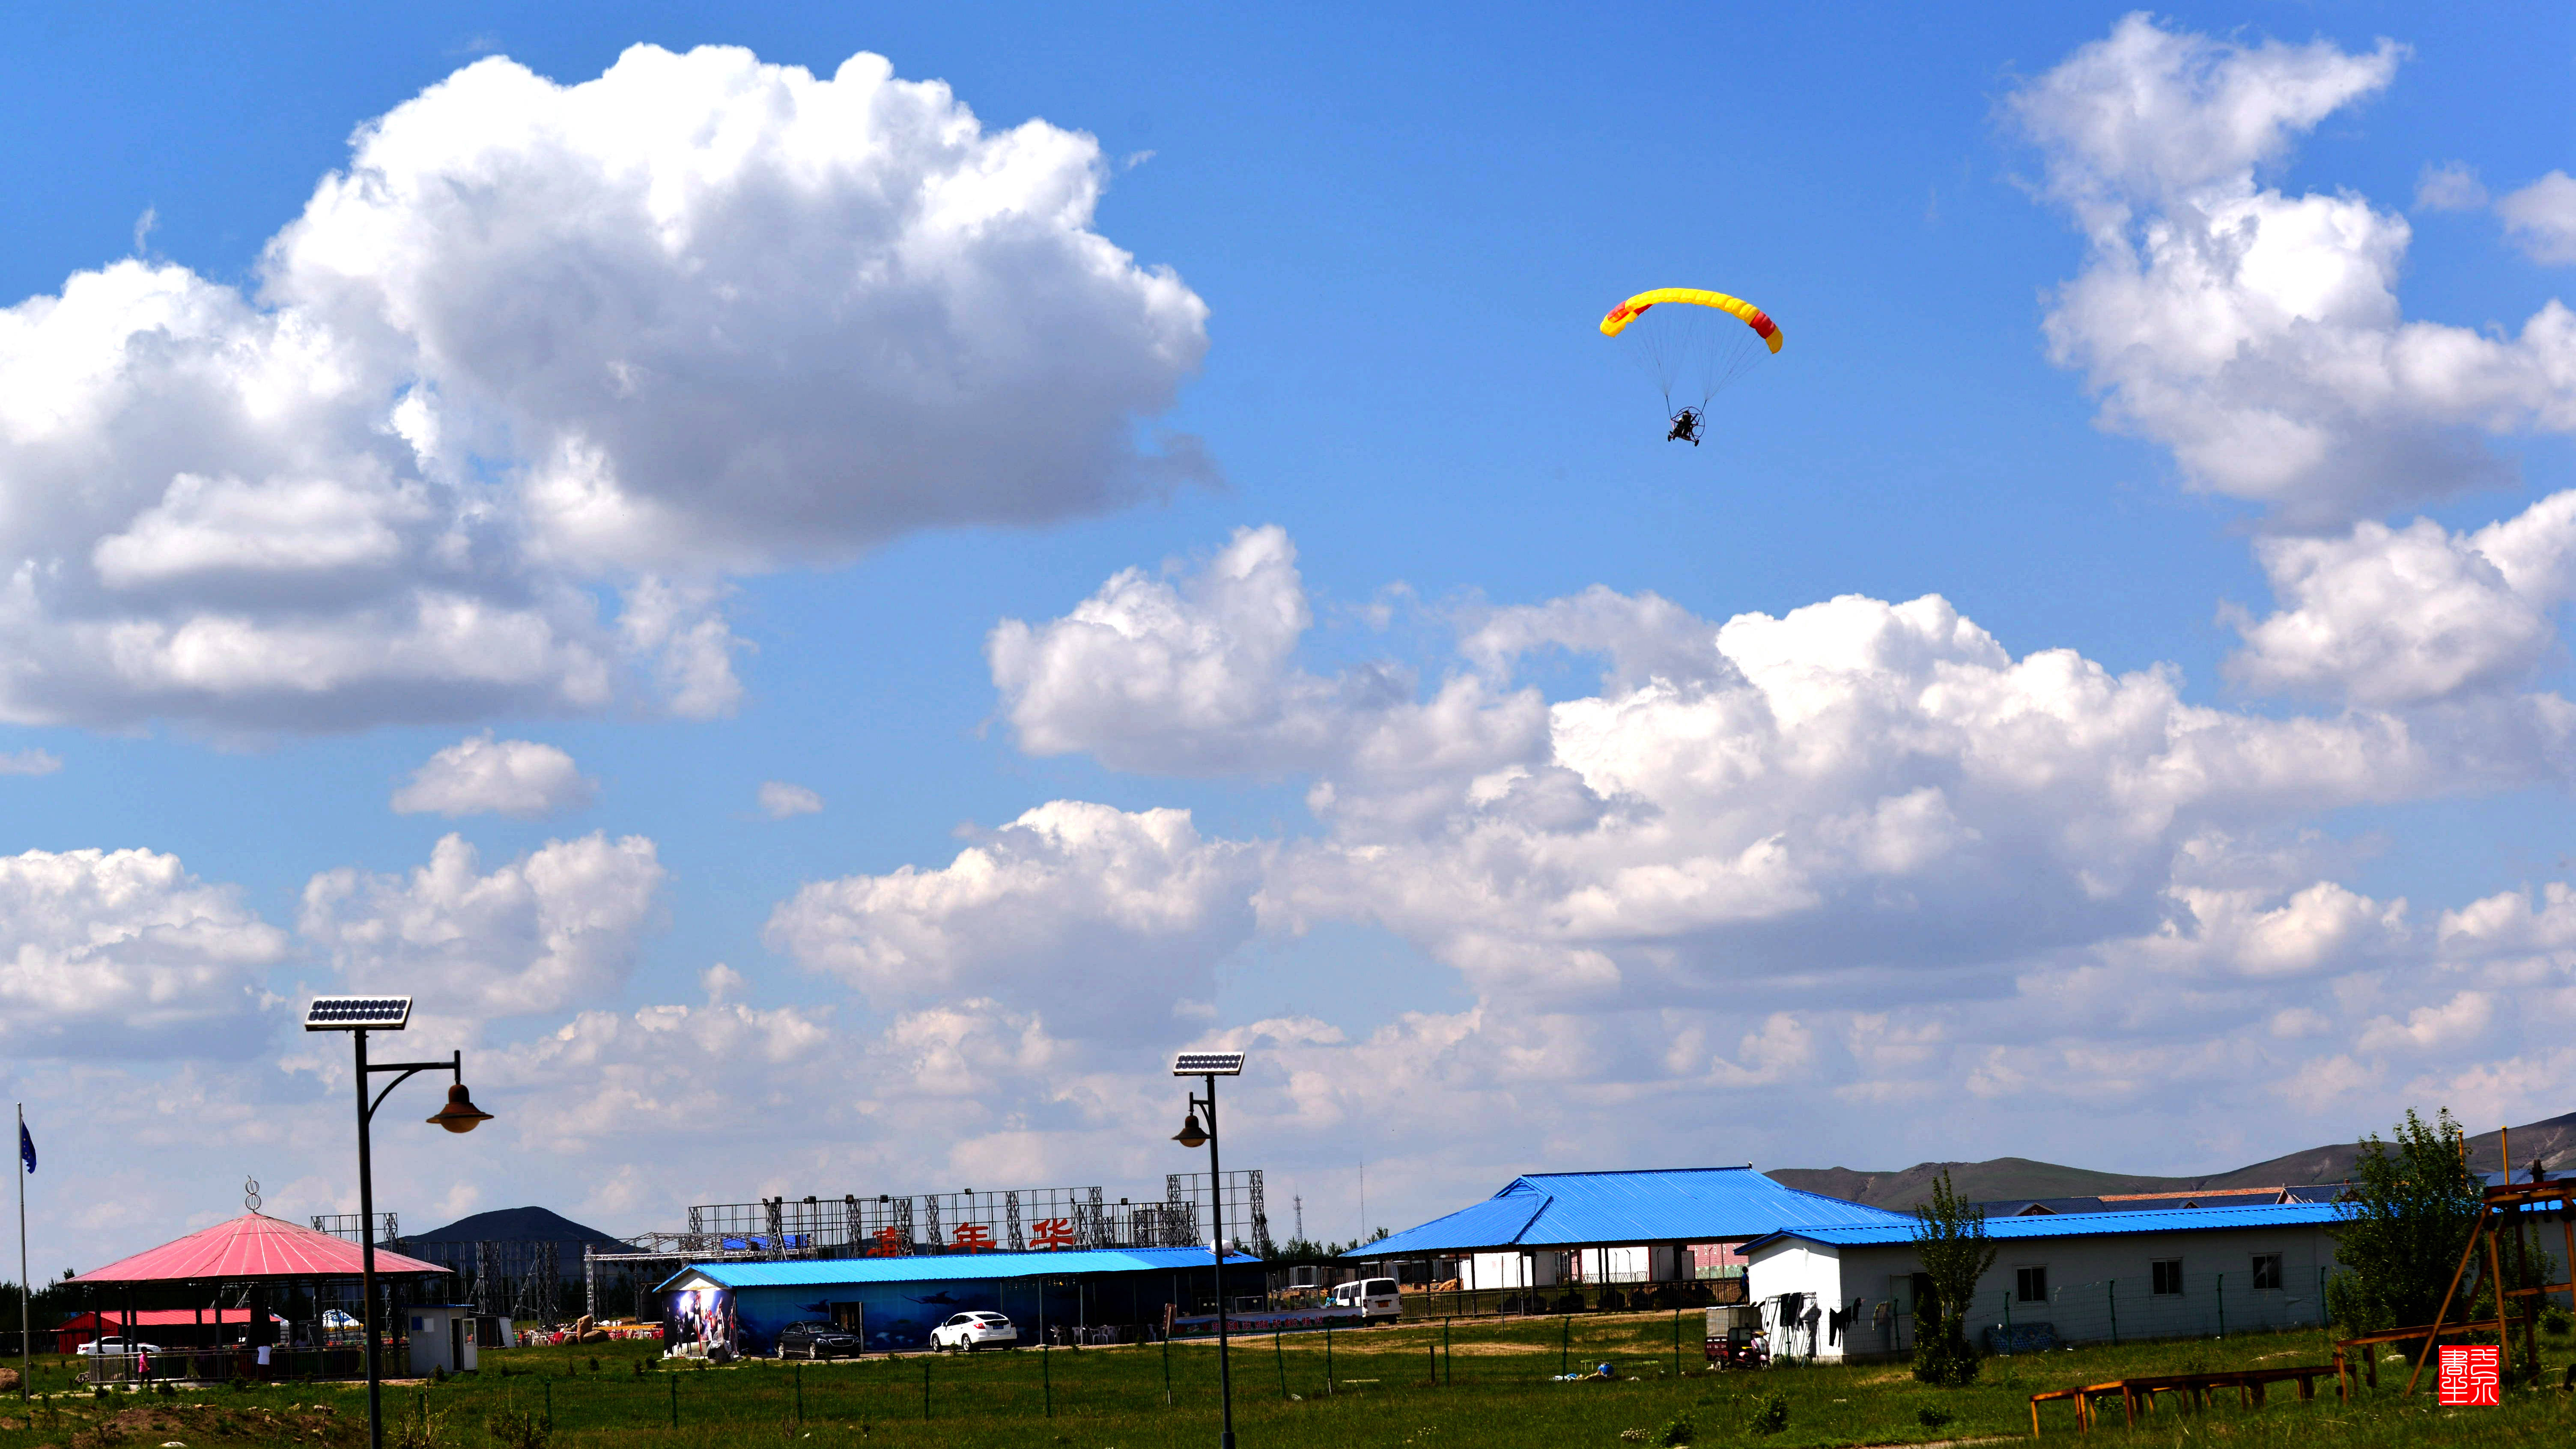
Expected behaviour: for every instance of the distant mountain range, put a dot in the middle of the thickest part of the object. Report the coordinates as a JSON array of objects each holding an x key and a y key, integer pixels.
[{"x": 2553, "y": 1142}]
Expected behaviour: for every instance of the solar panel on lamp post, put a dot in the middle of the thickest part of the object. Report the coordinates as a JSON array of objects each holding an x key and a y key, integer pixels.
[
  {"x": 1212, "y": 1065},
  {"x": 358, "y": 1015}
]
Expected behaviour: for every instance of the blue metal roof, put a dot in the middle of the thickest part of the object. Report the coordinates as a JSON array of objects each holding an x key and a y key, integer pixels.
[
  {"x": 1579, "y": 1209},
  {"x": 2074, "y": 1225},
  {"x": 942, "y": 1267}
]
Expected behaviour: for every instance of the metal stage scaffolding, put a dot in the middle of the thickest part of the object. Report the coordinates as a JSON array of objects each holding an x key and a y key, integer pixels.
[{"x": 1012, "y": 1220}]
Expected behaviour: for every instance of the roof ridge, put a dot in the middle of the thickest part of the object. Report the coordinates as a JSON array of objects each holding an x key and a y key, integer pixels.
[{"x": 1634, "y": 1172}]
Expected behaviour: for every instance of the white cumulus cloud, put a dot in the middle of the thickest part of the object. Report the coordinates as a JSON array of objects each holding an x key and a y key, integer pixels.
[
  {"x": 537, "y": 369},
  {"x": 557, "y": 927},
  {"x": 30, "y": 762},
  {"x": 2255, "y": 333},
  {"x": 123, "y": 954},
  {"x": 2453, "y": 186},
  {"x": 1103, "y": 919},
  {"x": 780, "y": 800},
  {"x": 480, "y": 775},
  {"x": 2400, "y": 616},
  {"x": 2541, "y": 219}
]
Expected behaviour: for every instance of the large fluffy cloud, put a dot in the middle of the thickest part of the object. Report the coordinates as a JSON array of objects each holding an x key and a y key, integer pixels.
[
  {"x": 553, "y": 929},
  {"x": 122, "y": 953},
  {"x": 1854, "y": 783},
  {"x": 538, "y": 344},
  {"x": 2256, "y": 333},
  {"x": 1861, "y": 845}
]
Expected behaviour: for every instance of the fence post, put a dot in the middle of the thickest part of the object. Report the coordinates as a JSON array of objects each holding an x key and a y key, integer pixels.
[
  {"x": 2222, "y": 1305},
  {"x": 925, "y": 1388},
  {"x": 1167, "y": 1370},
  {"x": 1677, "y": 1343},
  {"x": 1434, "y": 1350},
  {"x": 1046, "y": 1379},
  {"x": 2008, "y": 1339},
  {"x": 550, "y": 1406},
  {"x": 1328, "y": 1360},
  {"x": 2111, "y": 1293},
  {"x": 675, "y": 1400},
  {"x": 800, "y": 1393},
  {"x": 2325, "y": 1315},
  {"x": 1448, "y": 1369},
  {"x": 1565, "y": 1343},
  {"x": 1282, "y": 1360}
]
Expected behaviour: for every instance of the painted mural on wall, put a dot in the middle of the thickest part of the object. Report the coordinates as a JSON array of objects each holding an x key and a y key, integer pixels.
[{"x": 704, "y": 1316}]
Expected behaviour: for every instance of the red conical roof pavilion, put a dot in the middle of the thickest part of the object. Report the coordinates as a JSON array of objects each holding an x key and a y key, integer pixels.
[{"x": 253, "y": 1245}]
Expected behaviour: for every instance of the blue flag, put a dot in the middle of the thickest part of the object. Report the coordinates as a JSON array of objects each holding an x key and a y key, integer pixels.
[{"x": 26, "y": 1147}]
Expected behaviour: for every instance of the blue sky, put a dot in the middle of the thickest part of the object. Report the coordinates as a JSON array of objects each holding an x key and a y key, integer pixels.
[{"x": 1401, "y": 226}]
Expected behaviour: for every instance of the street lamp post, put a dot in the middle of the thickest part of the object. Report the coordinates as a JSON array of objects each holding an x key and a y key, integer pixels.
[
  {"x": 358, "y": 1015},
  {"x": 1212, "y": 1065}
]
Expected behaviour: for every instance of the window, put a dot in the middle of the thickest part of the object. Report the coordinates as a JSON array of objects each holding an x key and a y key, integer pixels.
[
  {"x": 2267, "y": 1270},
  {"x": 2030, "y": 1285},
  {"x": 2165, "y": 1275}
]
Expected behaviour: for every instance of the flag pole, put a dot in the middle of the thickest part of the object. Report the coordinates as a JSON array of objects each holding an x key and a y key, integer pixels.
[{"x": 26, "y": 1288}]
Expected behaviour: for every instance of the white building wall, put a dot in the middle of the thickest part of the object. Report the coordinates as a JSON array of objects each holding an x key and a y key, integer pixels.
[
  {"x": 1497, "y": 1270},
  {"x": 2098, "y": 1287},
  {"x": 1796, "y": 1272},
  {"x": 1615, "y": 1265}
]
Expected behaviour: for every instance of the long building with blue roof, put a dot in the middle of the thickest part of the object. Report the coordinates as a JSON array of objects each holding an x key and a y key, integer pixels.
[
  {"x": 1850, "y": 1290},
  {"x": 891, "y": 1303},
  {"x": 1656, "y": 1225}
]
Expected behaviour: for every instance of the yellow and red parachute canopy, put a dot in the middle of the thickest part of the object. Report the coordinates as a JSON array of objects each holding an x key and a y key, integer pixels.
[{"x": 1754, "y": 317}]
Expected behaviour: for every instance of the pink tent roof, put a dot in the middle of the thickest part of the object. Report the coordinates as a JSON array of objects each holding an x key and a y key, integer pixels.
[{"x": 253, "y": 1245}]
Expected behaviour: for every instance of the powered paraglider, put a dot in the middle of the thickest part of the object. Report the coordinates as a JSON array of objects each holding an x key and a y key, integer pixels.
[{"x": 1693, "y": 343}]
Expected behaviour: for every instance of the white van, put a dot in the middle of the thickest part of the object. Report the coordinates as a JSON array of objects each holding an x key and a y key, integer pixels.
[{"x": 1375, "y": 1298}]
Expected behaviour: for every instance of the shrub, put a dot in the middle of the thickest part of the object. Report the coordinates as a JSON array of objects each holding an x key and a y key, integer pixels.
[
  {"x": 1932, "y": 1418},
  {"x": 1677, "y": 1430},
  {"x": 2555, "y": 1321},
  {"x": 1950, "y": 1239},
  {"x": 1769, "y": 1415},
  {"x": 511, "y": 1429}
]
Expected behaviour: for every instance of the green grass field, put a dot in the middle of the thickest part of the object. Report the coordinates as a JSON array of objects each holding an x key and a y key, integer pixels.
[{"x": 1492, "y": 1391}]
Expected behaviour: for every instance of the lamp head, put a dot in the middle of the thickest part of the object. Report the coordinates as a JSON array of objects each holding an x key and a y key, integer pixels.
[
  {"x": 1190, "y": 1136},
  {"x": 460, "y": 1114}
]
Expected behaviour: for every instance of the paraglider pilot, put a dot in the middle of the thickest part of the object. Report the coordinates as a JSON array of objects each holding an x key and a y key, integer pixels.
[{"x": 1685, "y": 427}]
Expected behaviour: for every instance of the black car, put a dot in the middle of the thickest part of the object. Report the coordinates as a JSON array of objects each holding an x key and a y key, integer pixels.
[{"x": 817, "y": 1340}]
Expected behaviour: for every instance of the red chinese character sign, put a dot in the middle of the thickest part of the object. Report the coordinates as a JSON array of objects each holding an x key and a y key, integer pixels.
[
  {"x": 1051, "y": 1234},
  {"x": 2469, "y": 1376},
  {"x": 885, "y": 1243},
  {"x": 974, "y": 1237}
]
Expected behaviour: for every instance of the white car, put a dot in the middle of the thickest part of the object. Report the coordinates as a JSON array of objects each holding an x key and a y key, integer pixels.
[
  {"x": 114, "y": 1346},
  {"x": 1377, "y": 1299},
  {"x": 968, "y": 1332}
]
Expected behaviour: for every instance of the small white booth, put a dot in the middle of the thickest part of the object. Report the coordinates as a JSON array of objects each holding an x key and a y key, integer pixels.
[{"x": 442, "y": 1337}]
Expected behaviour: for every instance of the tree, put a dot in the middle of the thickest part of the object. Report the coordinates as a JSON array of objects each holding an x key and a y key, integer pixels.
[
  {"x": 2413, "y": 1204},
  {"x": 1950, "y": 1240}
]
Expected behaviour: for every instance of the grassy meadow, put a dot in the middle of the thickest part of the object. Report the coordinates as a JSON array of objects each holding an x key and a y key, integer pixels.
[{"x": 1486, "y": 1385}]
